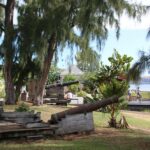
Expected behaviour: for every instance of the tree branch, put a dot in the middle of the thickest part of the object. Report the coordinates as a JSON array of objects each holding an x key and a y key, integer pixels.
[{"x": 2, "y": 5}]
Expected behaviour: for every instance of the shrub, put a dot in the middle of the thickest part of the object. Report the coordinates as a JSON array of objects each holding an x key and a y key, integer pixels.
[
  {"x": 81, "y": 93},
  {"x": 72, "y": 88},
  {"x": 22, "y": 108}
]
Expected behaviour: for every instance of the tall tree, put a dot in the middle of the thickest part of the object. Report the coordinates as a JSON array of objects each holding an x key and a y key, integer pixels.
[
  {"x": 45, "y": 25},
  {"x": 88, "y": 60},
  {"x": 7, "y": 27}
]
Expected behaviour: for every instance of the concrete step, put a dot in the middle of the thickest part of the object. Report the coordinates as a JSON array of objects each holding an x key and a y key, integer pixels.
[{"x": 37, "y": 125}]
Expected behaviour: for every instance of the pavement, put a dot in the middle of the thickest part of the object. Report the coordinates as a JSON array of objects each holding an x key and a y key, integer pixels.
[{"x": 138, "y": 102}]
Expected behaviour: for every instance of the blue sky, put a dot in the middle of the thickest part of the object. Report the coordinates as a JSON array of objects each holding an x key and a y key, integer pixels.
[
  {"x": 130, "y": 42},
  {"x": 132, "y": 38}
]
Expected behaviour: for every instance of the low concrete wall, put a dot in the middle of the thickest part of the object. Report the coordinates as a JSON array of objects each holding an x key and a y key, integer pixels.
[
  {"x": 21, "y": 117},
  {"x": 77, "y": 100},
  {"x": 76, "y": 123}
]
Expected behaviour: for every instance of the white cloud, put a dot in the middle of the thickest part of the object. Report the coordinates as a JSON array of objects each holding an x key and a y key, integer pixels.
[
  {"x": 128, "y": 23},
  {"x": 144, "y": 2}
]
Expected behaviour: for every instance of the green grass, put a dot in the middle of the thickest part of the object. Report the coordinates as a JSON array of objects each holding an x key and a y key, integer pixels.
[
  {"x": 145, "y": 94},
  {"x": 127, "y": 142},
  {"x": 139, "y": 123},
  {"x": 101, "y": 120}
]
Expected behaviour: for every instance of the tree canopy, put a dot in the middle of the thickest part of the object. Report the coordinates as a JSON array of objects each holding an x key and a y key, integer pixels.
[{"x": 88, "y": 60}]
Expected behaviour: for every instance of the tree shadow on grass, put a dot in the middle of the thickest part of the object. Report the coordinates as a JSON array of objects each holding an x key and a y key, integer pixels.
[{"x": 130, "y": 141}]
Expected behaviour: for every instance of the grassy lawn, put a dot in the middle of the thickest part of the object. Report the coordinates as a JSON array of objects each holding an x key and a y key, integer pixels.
[
  {"x": 140, "y": 122},
  {"x": 145, "y": 95},
  {"x": 128, "y": 140},
  {"x": 103, "y": 138},
  {"x": 134, "y": 142}
]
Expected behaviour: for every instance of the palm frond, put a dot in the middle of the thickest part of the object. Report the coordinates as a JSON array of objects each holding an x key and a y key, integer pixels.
[
  {"x": 139, "y": 67},
  {"x": 148, "y": 34}
]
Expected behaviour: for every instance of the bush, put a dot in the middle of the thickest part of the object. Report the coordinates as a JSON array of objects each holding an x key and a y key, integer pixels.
[
  {"x": 72, "y": 88},
  {"x": 81, "y": 93},
  {"x": 22, "y": 108},
  {"x": 88, "y": 99}
]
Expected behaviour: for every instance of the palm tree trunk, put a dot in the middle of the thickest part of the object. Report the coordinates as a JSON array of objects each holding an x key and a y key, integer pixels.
[
  {"x": 40, "y": 84},
  {"x": 112, "y": 122},
  {"x": 8, "y": 42}
]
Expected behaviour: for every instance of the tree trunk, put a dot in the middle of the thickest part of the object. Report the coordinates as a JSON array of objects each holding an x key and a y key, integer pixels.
[
  {"x": 112, "y": 122},
  {"x": 9, "y": 87},
  {"x": 8, "y": 43},
  {"x": 40, "y": 84},
  {"x": 17, "y": 92}
]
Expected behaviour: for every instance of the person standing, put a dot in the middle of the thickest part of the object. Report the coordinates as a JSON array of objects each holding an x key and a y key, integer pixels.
[
  {"x": 138, "y": 95},
  {"x": 69, "y": 95},
  {"x": 129, "y": 95}
]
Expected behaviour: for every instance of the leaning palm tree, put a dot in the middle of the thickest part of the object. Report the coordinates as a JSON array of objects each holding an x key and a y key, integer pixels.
[{"x": 139, "y": 67}]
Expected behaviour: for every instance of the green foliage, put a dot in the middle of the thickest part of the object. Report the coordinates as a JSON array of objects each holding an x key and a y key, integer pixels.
[
  {"x": 69, "y": 77},
  {"x": 106, "y": 78},
  {"x": 22, "y": 108},
  {"x": 73, "y": 88},
  {"x": 54, "y": 75},
  {"x": 111, "y": 85},
  {"x": 114, "y": 87},
  {"x": 88, "y": 60},
  {"x": 139, "y": 67},
  {"x": 81, "y": 93},
  {"x": 89, "y": 81},
  {"x": 110, "y": 80},
  {"x": 119, "y": 67}
]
